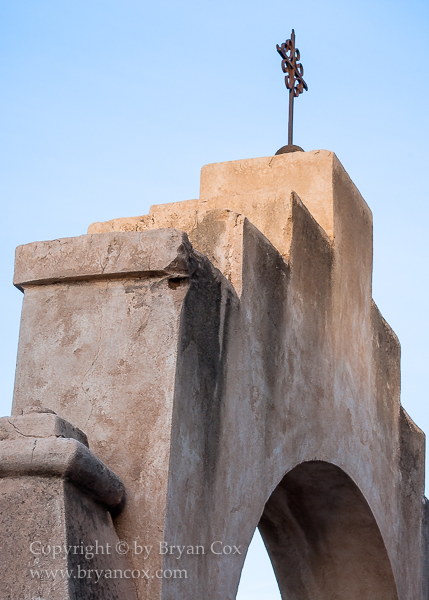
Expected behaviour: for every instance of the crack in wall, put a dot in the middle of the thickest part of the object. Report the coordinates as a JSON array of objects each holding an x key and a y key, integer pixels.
[
  {"x": 32, "y": 450},
  {"x": 20, "y": 432}
]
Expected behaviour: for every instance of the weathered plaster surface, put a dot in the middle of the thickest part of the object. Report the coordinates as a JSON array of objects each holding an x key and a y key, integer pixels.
[
  {"x": 225, "y": 390},
  {"x": 54, "y": 493}
]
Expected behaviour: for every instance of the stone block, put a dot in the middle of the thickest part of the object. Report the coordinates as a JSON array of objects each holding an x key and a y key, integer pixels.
[{"x": 55, "y": 497}]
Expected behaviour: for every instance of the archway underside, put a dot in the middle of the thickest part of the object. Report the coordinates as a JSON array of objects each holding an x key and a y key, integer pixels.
[{"x": 323, "y": 540}]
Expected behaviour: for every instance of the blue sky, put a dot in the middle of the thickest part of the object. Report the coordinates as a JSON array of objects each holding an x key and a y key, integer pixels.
[{"x": 108, "y": 107}]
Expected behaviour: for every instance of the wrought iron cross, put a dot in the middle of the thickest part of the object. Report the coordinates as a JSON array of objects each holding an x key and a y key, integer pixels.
[{"x": 293, "y": 76}]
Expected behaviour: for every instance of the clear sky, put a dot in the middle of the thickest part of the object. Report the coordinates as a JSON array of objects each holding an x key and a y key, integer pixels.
[{"x": 110, "y": 106}]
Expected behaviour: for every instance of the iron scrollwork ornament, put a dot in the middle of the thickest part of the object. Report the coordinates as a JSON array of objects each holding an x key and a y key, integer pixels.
[
  {"x": 294, "y": 72},
  {"x": 291, "y": 66}
]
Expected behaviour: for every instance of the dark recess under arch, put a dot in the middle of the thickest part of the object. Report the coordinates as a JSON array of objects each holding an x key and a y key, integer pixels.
[{"x": 323, "y": 540}]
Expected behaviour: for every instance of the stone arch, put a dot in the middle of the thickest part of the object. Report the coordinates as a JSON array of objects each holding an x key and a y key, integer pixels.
[
  {"x": 210, "y": 347},
  {"x": 323, "y": 539}
]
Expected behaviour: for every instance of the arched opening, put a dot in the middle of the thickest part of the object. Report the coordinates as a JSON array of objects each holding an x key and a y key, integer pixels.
[
  {"x": 257, "y": 581},
  {"x": 323, "y": 540}
]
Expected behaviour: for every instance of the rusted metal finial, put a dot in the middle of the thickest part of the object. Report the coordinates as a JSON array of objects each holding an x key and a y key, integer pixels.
[{"x": 294, "y": 82}]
